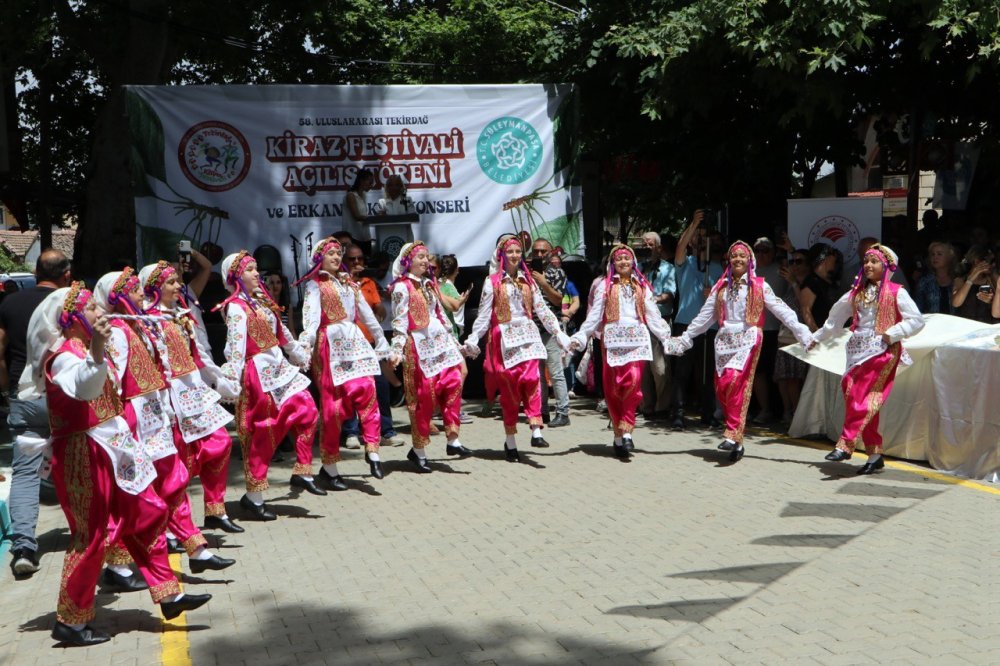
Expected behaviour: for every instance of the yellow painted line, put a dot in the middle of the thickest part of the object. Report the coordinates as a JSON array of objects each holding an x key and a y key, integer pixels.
[
  {"x": 902, "y": 466},
  {"x": 174, "y": 647}
]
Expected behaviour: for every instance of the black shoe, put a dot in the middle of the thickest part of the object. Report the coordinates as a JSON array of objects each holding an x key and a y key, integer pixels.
[
  {"x": 172, "y": 609},
  {"x": 300, "y": 481},
  {"x": 512, "y": 454},
  {"x": 870, "y": 467},
  {"x": 736, "y": 454},
  {"x": 223, "y": 523},
  {"x": 257, "y": 511},
  {"x": 376, "y": 467},
  {"x": 215, "y": 563},
  {"x": 621, "y": 452},
  {"x": 115, "y": 582},
  {"x": 457, "y": 451},
  {"x": 23, "y": 562},
  {"x": 63, "y": 633},
  {"x": 538, "y": 442},
  {"x": 628, "y": 444},
  {"x": 422, "y": 465},
  {"x": 333, "y": 482},
  {"x": 678, "y": 422},
  {"x": 546, "y": 418},
  {"x": 726, "y": 446},
  {"x": 559, "y": 421},
  {"x": 174, "y": 546},
  {"x": 837, "y": 455}
]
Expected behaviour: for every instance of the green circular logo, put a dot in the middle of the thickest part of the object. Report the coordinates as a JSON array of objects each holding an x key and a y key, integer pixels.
[{"x": 509, "y": 150}]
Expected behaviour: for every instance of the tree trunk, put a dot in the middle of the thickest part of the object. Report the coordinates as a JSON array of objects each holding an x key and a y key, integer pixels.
[{"x": 107, "y": 230}]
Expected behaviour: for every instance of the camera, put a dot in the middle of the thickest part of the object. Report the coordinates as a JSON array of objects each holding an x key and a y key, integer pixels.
[
  {"x": 537, "y": 265},
  {"x": 184, "y": 251},
  {"x": 986, "y": 288}
]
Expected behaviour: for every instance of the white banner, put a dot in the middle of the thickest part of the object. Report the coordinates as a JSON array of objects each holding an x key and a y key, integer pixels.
[
  {"x": 244, "y": 166},
  {"x": 840, "y": 222}
]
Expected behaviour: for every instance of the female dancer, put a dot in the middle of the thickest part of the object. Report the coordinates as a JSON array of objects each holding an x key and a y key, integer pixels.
[
  {"x": 432, "y": 364},
  {"x": 737, "y": 302},
  {"x": 344, "y": 362},
  {"x": 274, "y": 396},
  {"x": 510, "y": 297},
  {"x": 883, "y": 315},
  {"x": 97, "y": 466},
  {"x": 144, "y": 392},
  {"x": 624, "y": 309},
  {"x": 200, "y": 428}
]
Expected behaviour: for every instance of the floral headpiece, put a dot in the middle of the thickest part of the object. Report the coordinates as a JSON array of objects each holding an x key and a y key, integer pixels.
[
  {"x": 889, "y": 262},
  {"x": 317, "y": 258},
  {"x": 238, "y": 267},
  {"x": 161, "y": 273},
  {"x": 727, "y": 275},
  {"x": 404, "y": 261},
  {"x": 72, "y": 311},
  {"x": 234, "y": 266},
  {"x": 616, "y": 251},
  {"x": 126, "y": 282},
  {"x": 500, "y": 255}
]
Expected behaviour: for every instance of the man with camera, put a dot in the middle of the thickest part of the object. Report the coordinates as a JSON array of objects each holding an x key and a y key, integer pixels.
[
  {"x": 552, "y": 282},
  {"x": 661, "y": 273},
  {"x": 695, "y": 276}
]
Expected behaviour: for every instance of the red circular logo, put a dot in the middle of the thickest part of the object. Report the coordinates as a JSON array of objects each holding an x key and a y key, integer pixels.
[{"x": 214, "y": 156}]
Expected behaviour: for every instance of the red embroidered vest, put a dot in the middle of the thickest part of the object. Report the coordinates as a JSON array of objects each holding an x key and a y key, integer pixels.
[
  {"x": 142, "y": 375},
  {"x": 887, "y": 314},
  {"x": 261, "y": 333},
  {"x": 330, "y": 304},
  {"x": 501, "y": 303},
  {"x": 67, "y": 415},
  {"x": 417, "y": 311}
]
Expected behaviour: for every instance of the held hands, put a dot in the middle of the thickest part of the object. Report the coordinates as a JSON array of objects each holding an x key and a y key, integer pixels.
[
  {"x": 470, "y": 349},
  {"x": 394, "y": 360}
]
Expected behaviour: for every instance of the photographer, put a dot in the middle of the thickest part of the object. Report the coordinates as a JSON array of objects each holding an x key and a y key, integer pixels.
[
  {"x": 695, "y": 276},
  {"x": 972, "y": 294},
  {"x": 661, "y": 274},
  {"x": 552, "y": 282}
]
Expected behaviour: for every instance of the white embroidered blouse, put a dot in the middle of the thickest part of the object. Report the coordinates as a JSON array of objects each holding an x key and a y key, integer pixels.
[
  {"x": 351, "y": 356},
  {"x": 627, "y": 339},
  {"x": 519, "y": 339},
  {"x": 737, "y": 336},
  {"x": 435, "y": 346},
  {"x": 864, "y": 342}
]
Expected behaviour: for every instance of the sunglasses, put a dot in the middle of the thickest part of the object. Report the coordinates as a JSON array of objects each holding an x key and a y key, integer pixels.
[
  {"x": 793, "y": 262},
  {"x": 355, "y": 260}
]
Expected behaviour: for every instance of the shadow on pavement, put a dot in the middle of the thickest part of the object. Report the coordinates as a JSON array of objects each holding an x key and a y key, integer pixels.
[
  {"x": 868, "y": 513},
  {"x": 761, "y": 574},
  {"x": 696, "y": 610},
  {"x": 804, "y": 540},
  {"x": 289, "y": 634}
]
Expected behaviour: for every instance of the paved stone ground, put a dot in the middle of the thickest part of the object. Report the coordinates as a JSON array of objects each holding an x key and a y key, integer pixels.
[{"x": 575, "y": 557}]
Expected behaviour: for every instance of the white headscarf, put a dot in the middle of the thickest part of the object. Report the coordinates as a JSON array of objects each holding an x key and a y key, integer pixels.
[
  {"x": 44, "y": 337},
  {"x": 145, "y": 273},
  {"x": 227, "y": 264},
  {"x": 397, "y": 266},
  {"x": 496, "y": 262},
  {"x": 102, "y": 291}
]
